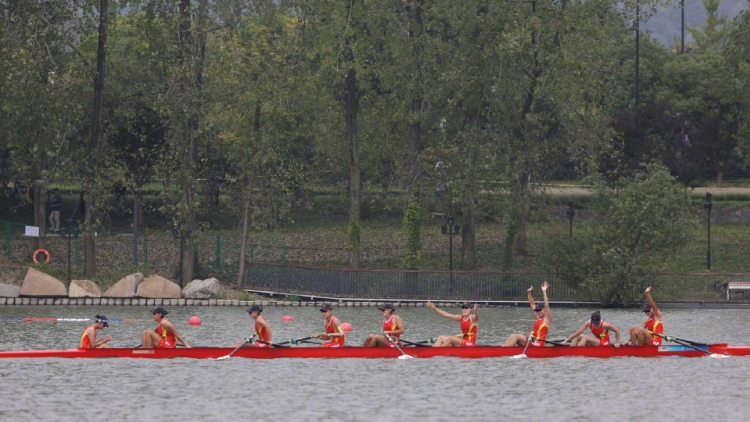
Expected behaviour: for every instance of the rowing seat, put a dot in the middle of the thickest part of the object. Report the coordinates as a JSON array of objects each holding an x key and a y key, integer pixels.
[{"x": 737, "y": 285}]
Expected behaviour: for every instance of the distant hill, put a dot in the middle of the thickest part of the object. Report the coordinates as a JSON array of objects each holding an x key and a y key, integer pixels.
[{"x": 665, "y": 25}]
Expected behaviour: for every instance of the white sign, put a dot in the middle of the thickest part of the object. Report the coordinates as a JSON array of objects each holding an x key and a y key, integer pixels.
[{"x": 32, "y": 231}]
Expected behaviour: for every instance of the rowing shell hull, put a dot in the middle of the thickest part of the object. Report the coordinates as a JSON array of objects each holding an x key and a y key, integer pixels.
[{"x": 382, "y": 353}]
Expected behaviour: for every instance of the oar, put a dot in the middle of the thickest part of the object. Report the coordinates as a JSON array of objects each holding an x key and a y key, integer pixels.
[
  {"x": 422, "y": 343},
  {"x": 523, "y": 355},
  {"x": 293, "y": 341},
  {"x": 395, "y": 343},
  {"x": 247, "y": 340},
  {"x": 682, "y": 343},
  {"x": 554, "y": 342}
]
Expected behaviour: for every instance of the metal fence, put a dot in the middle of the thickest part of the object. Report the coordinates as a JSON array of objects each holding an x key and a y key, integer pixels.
[
  {"x": 435, "y": 285},
  {"x": 217, "y": 253}
]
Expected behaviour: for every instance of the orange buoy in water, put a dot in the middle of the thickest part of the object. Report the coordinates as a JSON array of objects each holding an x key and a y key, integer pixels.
[
  {"x": 346, "y": 326},
  {"x": 287, "y": 318},
  {"x": 194, "y": 320}
]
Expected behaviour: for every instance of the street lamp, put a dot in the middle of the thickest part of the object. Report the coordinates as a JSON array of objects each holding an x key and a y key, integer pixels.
[
  {"x": 570, "y": 212},
  {"x": 69, "y": 233},
  {"x": 708, "y": 206},
  {"x": 450, "y": 230}
]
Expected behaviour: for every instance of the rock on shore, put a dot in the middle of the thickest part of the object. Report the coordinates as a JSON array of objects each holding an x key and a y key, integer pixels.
[
  {"x": 39, "y": 284},
  {"x": 126, "y": 287},
  {"x": 202, "y": 289},
  {"x": 156, "y": 286},
  {"x": 84, "y": 288}
]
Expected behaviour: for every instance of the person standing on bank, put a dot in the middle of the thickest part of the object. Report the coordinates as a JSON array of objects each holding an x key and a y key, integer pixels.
[
  {"x": 88, "y": 339},
  {"x": 468, "y": 320},
  {"x": 599, "y": 328},
  {"x": 262, "y": 330},
  {"x": 165, "y": 336},
  {"x": 393, "y": 327},
  {"x": 541, "y": 325},
  {"x": 654, "y": 324},
  {"x": 54, "y": 216}
]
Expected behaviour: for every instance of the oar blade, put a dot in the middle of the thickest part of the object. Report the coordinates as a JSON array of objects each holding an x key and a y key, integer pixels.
[
  {"x": 223, "y": 357},
  {"x": 406, "y": 357},
  {"x": 521, "y": 356},
  {"x": 718, "y": 356}
]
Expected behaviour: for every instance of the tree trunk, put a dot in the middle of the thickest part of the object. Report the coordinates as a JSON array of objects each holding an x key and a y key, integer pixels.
[
  {"x": 355, "y": 195},
  {"x": 415, "y": 131},
  {"x": 40, "y": 217},
  {"x": 247, "y": 192},
  {"x": 89, "y": 247}
]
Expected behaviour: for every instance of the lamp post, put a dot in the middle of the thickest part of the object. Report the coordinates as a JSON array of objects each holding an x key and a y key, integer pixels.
[
  {"x": 68, "y": 233},
  {"x": 135, "y": 228},
  {"x": 450, "y": 230},
  {"x": 637, "y": 25},
  {"x": 570, "y": 212},
  {"x": 708, "y": 206},
  {"x": 682, "y": 29}
]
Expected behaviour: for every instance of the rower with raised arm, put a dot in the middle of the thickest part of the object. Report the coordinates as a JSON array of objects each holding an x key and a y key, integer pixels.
[
  {"x": 393, "y": 327},
  {"x": 541, "y": 325},
  {"x": 654, "y": 324},
  {"x": 334, "y": 331},
  {"x": 262, "y": 330},
  {"x": 468, "y": 320},
  {"x": 165, "y": 336},
  {"x": 88, "y": 339},
  {"x": 600, "y": 330}
]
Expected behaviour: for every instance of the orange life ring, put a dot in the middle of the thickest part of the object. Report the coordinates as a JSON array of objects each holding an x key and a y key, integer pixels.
[{"x": 37, "y": 252}]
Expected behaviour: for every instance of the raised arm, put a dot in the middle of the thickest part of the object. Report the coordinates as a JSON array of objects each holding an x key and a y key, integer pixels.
[
  {"x": 475, "y": 315},
  {"x": 443, "y": 313},
  {"x": 657, "y": 312},
  {"x": 531, "y": 298},
  {"x": 548, "y": 313},
  {"x": 578, "y": 332}
]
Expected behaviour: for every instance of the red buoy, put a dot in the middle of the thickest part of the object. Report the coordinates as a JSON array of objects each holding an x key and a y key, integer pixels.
[
  {"x": 287, "y": 318},
  {"x": 346, "y": 326},
  {"x": 194, "y": 320}
]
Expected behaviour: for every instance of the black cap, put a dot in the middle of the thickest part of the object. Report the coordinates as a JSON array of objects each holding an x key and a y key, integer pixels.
[
  {"x": 387, "y": 306},
  {"x": 159, "y": 310},
  {"x": 539, "y": 306},
  {"x": 596, "y": 318},
  {"x": 255, "y": 308},
  {"x": 326, "y": 307},
  {"x": 466, "y": 305},
  {"x": 646, "y": 307},
  {"x": 103, "y": 319}
]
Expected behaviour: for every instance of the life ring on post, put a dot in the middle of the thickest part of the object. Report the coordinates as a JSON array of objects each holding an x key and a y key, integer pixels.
[{"x": 41, "y": 251}]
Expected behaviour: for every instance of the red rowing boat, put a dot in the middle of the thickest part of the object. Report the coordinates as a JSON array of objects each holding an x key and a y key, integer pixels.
[{"x": 362, "y": 352}]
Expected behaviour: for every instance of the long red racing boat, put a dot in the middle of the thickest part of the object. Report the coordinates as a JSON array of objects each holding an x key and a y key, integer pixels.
[{"x": 382, "y": 353}]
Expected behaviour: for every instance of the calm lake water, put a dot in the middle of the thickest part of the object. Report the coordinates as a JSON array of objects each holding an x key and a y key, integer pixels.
[{"x": 440, "y": 389}]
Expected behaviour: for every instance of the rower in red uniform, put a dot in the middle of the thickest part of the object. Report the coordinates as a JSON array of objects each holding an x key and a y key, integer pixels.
[
  {"x": 262, "y": 330},
  {"x": 393, "y": 327},
  {"x": 468, "y": 320},
  {"x": 334, "y": 331},
  {"x": 88, "y": 339},
  {"x": 600, "y": 329},
  {"x": 165, "y": 336},
  {"x": 541, "y": 325},
  {"x": 644, "y": 335}
]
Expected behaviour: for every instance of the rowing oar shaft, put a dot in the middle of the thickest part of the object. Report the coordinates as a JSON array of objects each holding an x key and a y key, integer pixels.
[
  {"x": 395, "y": 343},
  {"x": 672, "y": 339}
]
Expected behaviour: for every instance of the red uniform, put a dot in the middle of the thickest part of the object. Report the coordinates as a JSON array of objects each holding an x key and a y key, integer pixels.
[
  {"x": 469, "y": 330},
  {"x": 601, "y": 333},
  {"x": 168, "y": 340},
  {"x": 86, "y": 342},
  {"x": 262, "y": 334},
  {"x": 335, "y": 341},
  {"x": 654, "y": 326},
  {"x": 391, "y": 325},
  {"x": 539, "y": 332}
]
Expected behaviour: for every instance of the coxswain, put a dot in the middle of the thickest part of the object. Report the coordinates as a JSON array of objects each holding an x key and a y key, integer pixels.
[
  {"x": 468, "y": 319},
  {"x": 541, "y": 325},
  {"x": 654, "y": 324},
  {"x": 334, "y": 331},
  {"x": 88, "y": 339},
  {"x": 165, "y": 336},
  {"x": 393, "y": 327},
  {"x": 262, "y": 330},
  {"x": 600, "y": 330}
]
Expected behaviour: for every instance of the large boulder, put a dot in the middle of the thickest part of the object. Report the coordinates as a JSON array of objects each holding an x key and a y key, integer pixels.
[
  {"x": 84, "y": 288},
  {"x": 126, "y": 287},
  {"x": 202, "y": 289},
  {"x": 9, "y": 290},
  {"x": 156, "y": 286},
  {"x": 39, "y": 284}
]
